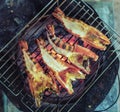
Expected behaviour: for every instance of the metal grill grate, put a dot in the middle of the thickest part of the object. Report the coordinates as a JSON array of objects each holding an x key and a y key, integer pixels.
[{"x": 10, "y": 76}]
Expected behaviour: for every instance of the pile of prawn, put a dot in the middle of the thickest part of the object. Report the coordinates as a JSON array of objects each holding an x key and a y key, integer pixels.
[{"x": 76, "y": 62}]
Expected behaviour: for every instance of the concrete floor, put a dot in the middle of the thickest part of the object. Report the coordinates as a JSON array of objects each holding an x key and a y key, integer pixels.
[
  {"x": 116, "y": 6},
  {"x": 116, "y": 27}
]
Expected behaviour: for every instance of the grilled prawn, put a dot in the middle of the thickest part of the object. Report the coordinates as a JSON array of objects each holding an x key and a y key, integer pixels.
[
  {"x": 63, "y": 72},
  {"x": 38, "y": 80},
  {"x": 75, "y": 48},
  {"x": 87, "y": 33},
  {"x": 80, "y": 62}
]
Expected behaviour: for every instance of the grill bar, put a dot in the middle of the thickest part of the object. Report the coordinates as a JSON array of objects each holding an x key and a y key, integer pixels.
[
  {"x": 72, "y": 9},
  {"x": 68, "y": 5},
  {"x": 69, "y": 13},
  {"x": 82, "y": 6},
  {"x": 91, "y": 84},
  {"x": 94, "y": 81},
  {"x": 15, "y": 44},
  {"x": 86, "y": 90},
  {"x": 47, "y": 5},
  {"x": 101, "y": 65}
]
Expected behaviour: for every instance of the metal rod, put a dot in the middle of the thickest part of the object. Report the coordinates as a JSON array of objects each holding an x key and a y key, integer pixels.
[
  {"x": 81, "y": 9},
  {"x": 94, "y": 81}
]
